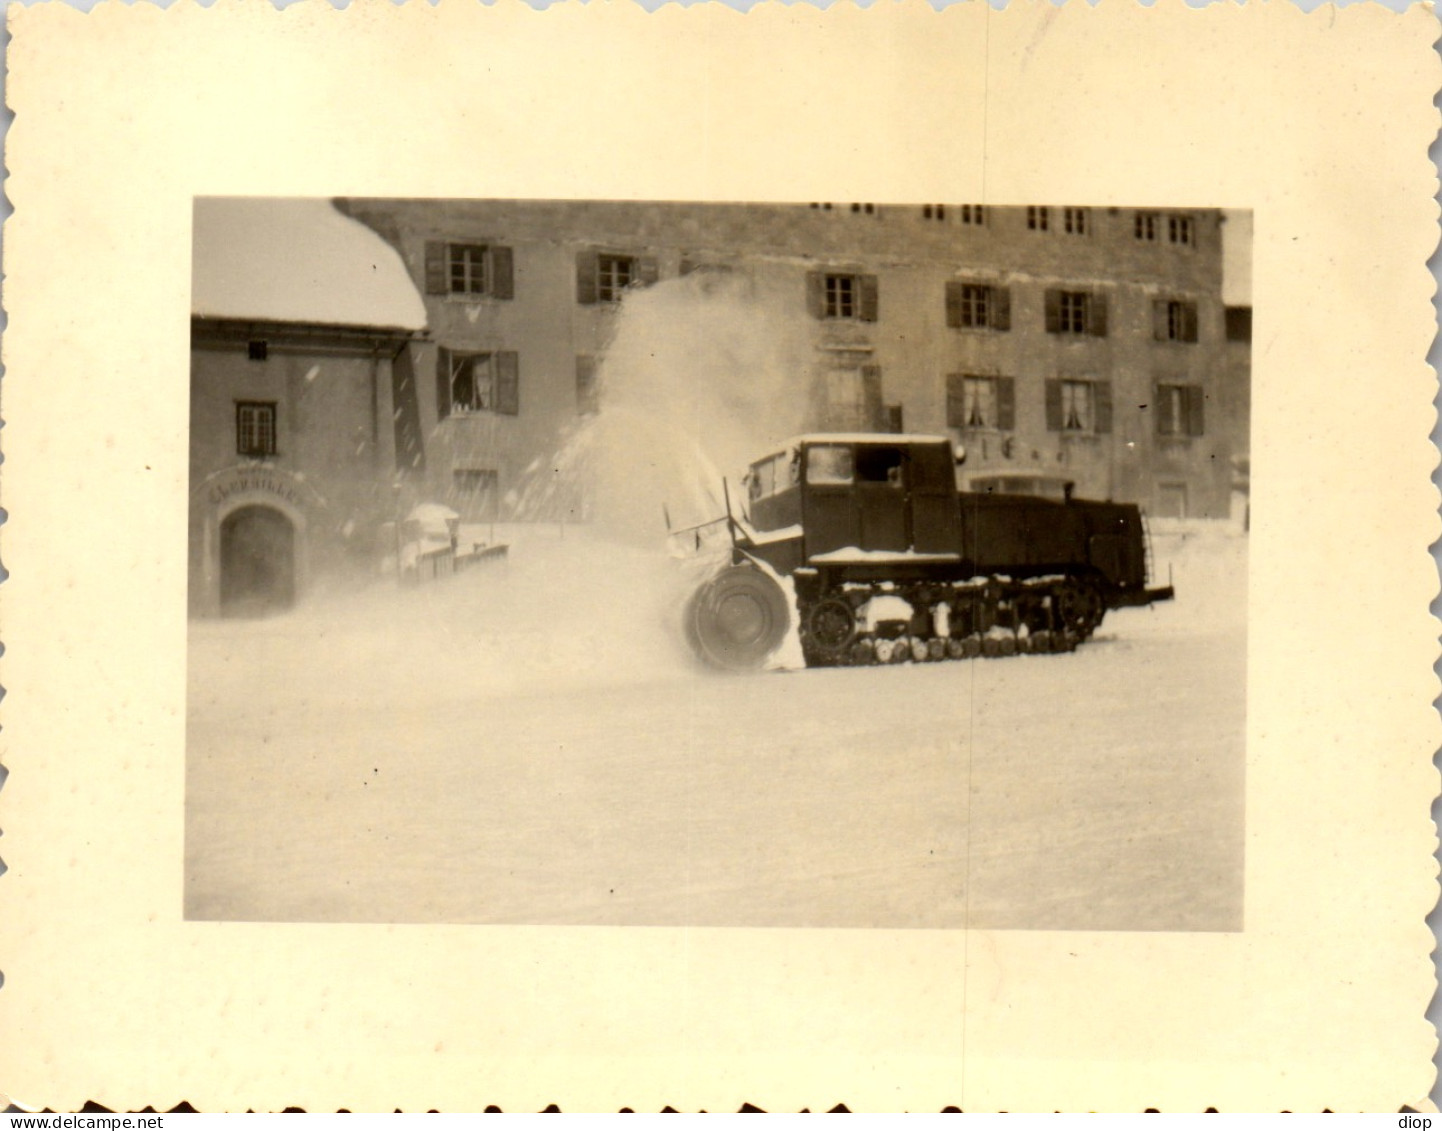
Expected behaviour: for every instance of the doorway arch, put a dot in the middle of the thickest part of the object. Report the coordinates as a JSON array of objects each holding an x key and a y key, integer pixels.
[{"x": 257, "y": 561}]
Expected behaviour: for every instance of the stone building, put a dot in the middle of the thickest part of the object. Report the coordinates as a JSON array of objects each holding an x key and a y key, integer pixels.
[
  {"x": 302, "y": 401},
  {"x": 1085, "y": 343},
  {"x": 1235, "y": 401}
]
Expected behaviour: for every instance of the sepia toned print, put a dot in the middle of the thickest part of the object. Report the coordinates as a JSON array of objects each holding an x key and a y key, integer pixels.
[
  {"x": 365, "y": 744},
  {"x": 467, "y": 477}
]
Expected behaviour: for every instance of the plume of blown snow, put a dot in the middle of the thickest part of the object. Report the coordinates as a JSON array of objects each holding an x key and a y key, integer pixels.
[{"x": 702, "y": 374}]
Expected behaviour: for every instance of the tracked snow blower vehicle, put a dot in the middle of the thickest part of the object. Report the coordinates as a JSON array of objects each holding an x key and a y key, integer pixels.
[{"x": 889, "y": 562}]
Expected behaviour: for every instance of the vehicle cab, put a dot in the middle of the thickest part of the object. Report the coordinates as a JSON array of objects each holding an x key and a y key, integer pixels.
[{"x": 857, "y": 495}]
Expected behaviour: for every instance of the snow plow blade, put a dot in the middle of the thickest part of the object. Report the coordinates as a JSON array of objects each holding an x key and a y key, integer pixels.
[{"x": 737, "y": 619}]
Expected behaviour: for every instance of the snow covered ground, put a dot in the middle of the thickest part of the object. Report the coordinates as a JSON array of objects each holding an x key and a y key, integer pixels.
[{"x": 528, "y": 742}]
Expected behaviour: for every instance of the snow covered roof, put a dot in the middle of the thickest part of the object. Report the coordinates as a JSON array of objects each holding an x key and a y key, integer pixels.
[{"x": 293, "y": 260}]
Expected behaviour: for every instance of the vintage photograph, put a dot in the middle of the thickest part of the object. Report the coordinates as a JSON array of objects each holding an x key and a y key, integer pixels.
[
  {"x": 618, "y": 559},
  {"x": 824, "y": 564}
]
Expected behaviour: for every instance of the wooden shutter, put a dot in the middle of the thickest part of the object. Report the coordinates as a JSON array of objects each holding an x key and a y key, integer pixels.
[
  {"x": 1102, "y": 405},
  {"x": 1006, "y": 404},
  {"x": 647, "y": 271},
  {"x": 1097, "y": 315},
  {"x": 1189, "y": 322},
  {"x": 437, "y": 268},
  {"x": 508, "y": 384},
  {"x": 894, "y": 418},
  {"x": 1193, "y": 401},
  {"x": 1159, "y": 416},
  {"x": 1053, "y": 405},
  {"x": 871, "y": 396},
  {"x": 867, "y": 308},
  {"x": 1000, "y": 308},
  {"x": 1161, "y": 320},
  {"x": 956, "y": 400},
  {"x": 953, "y": 304},
  {"x": 586, "y": 268},
  {"x": 816, "y": 294},
  {"x": 503, "y": 284},
  {"x": 443, "y": 382},
  {"x": 1053, "y": 319},
  {"x": 586, "y": 401}
]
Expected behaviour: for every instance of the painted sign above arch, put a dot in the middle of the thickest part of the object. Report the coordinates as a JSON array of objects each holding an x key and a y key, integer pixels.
[{"x": 226, "y": 488}]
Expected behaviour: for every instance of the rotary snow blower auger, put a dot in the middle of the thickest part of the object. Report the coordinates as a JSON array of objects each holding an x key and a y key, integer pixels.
[{"x": 738, "y": 614}]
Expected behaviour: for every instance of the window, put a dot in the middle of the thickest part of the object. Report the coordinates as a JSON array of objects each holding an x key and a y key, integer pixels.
[
  {"x": 774, "y": 475},
  {"x": 1038, "y": 219},
  {"x": 978, "y": 306},
  {"x": 1239, "y": 323},
  {"x": 980, "y": 402},
  {"x": 1174, "y": 320},
  {"x": 588, "y": 401},
  {"x": 847, "y": 297},
  {"x": 1074, "y": 220},
  {"x": 1179, "y": 410},
  {"x": 973, "y": 214},
  {"x": 880, "y": 465},
  {"x": 473, "y": 383},
  {"x": 1145, "y": 226},
  {"x": 829, "y": 464},
  {"x": 841, "y": 294},
  {"x": 1180, "y": 230},
  {"x": 1078, "y": 407},
  {"x": 1073, "y": 312},
  {"x": 469, "y": 270},
  {"x": 1076, "y": 312},
  {"x": 255, "y": 428},
  {"x": 604, "y": 277},
  {"x": 614, "y": 273},
  {"x": 975, "y": 305},
  {"x": 468, "y": 383},
  {"x": 933, "y": 212}
]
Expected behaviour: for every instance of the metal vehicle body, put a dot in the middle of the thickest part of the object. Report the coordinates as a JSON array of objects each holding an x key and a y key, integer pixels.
[{"x": 890, "y": 561}]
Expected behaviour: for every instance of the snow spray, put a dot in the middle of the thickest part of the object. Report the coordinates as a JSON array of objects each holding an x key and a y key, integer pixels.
[{"x": 702, "y": 375}]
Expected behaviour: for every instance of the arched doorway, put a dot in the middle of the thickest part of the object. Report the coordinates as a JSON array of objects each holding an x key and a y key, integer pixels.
[{"x": 257, "y": 562}]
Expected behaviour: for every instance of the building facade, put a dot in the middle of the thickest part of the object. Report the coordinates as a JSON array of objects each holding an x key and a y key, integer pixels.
[
  {"x": 301, "y": 379},
  {"x": 1086, "y": 343}
]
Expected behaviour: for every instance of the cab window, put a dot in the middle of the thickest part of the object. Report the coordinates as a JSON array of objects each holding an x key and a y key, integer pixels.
[
  {"x": 772, "y": 476},
  {"x": 880, "y": 465},
  {"x": 829, "y": 465}
]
